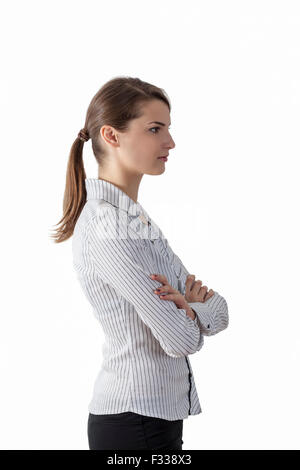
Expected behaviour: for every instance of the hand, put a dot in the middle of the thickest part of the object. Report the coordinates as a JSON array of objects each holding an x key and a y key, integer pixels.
[
  {"x": 169, "y": 293},
  {"x": 194, "y": 292}
]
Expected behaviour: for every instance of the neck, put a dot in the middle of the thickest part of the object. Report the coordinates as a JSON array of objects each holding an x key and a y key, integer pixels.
[{"x": 129, "y": 184}]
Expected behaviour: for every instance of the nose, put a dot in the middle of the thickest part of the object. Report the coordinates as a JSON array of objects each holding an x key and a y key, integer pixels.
[{"x": 172, "y": 145}]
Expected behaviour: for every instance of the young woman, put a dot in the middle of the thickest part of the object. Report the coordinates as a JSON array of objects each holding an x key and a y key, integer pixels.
[{"x": 154, "y": 314}]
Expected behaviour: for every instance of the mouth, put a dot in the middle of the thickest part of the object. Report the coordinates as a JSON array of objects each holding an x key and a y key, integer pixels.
[{"x": 165, "y": 159}]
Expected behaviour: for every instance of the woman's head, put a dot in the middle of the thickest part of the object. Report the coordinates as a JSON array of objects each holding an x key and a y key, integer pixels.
[
  {"x": 118, "y": 121},
  {"x": 137, "y": 148}
]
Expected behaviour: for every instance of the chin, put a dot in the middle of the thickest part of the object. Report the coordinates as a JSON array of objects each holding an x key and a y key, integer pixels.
[{"x": 155, "y": 171}]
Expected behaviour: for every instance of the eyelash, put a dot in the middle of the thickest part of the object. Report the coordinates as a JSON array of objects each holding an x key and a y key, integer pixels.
[{"x": 154, "y": 128}]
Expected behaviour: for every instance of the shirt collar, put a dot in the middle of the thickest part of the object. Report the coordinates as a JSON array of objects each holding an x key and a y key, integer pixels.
[{"x": 97, "y": 188}]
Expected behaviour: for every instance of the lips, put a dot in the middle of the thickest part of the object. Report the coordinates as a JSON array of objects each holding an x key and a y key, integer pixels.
[{"x": 165, "y": 159}]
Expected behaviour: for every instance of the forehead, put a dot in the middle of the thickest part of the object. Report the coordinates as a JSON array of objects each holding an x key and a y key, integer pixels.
[{"x": 155, "y": 110}]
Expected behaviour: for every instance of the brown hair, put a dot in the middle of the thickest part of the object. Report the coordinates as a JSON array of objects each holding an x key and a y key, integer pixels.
[{"x": 116, "y": 103}]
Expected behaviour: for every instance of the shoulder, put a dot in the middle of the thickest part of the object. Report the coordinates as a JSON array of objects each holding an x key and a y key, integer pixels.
[
  {"x": 108, "y": 221},
  {"x": 92, "y": 209}
]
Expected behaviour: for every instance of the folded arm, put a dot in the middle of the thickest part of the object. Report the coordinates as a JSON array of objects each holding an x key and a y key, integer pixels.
[
  {"x": 126, "y": 264},
  {"x": 213, "y": 313}
]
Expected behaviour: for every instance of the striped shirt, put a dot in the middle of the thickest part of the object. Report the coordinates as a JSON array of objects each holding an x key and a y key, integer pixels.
[{"x": 145, "y": 367}]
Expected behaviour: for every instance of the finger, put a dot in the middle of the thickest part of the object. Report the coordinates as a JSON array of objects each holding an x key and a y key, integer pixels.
[
  {"x": 160, "y": 278},
  {"x": 165, "y": 288},
  {"x": 209, "y": 294},
  {"x": 189, "y": 281},
  {"x": 168, "y": 296},
  {"x": 196, "y": 287},
  {"x": 202, "y": 292}
]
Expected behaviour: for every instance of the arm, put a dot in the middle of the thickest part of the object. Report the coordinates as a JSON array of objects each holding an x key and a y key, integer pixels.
[
  {"x": 126, "y": 264},
  {"x": 213, "y": 313}
]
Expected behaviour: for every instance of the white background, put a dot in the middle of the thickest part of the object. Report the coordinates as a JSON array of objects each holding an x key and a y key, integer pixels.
[{"x": 231, "y": 70}]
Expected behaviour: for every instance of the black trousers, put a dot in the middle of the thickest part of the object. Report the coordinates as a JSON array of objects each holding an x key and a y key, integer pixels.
[{"x": 133, "y": 431}]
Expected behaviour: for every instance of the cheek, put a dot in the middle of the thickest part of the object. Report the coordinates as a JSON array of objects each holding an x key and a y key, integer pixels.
[
  {"x": 145, "y": 160},
  {"x": 138, "y": 160},
  {"x": 141, "y": 153},
  {"x": 144, "y": 156}
]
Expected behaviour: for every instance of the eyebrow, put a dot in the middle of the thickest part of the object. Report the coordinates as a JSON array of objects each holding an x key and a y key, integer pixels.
[{"x": 157, "y": 122}]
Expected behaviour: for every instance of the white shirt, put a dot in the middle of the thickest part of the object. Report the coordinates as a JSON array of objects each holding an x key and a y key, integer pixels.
[{"x": 145, "y": 368}]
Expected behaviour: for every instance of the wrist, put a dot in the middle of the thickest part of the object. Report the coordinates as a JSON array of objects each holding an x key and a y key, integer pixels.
[{"x": 190, "y": 313}]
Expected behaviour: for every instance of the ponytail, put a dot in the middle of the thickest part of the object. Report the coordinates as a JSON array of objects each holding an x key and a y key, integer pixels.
[{"x": 75, "y": 191}]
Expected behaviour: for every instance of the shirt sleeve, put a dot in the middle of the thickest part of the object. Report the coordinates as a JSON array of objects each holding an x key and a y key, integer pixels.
[
  {"x": 212, "y": 314},
  {"x": 125, "y": 263}
]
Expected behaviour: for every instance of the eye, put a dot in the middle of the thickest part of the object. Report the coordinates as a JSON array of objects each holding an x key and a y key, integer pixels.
[
  {"x": 154, "y": 128},
  {"x": 158, "y": 128}
]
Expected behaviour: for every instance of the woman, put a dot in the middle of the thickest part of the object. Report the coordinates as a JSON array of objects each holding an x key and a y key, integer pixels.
[{"x": 145, "y": 387}]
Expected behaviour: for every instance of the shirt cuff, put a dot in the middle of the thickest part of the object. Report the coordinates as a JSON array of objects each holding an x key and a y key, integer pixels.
[
  {"x": 203, "y": 317},
  {"x": 212, "y": 314}
]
